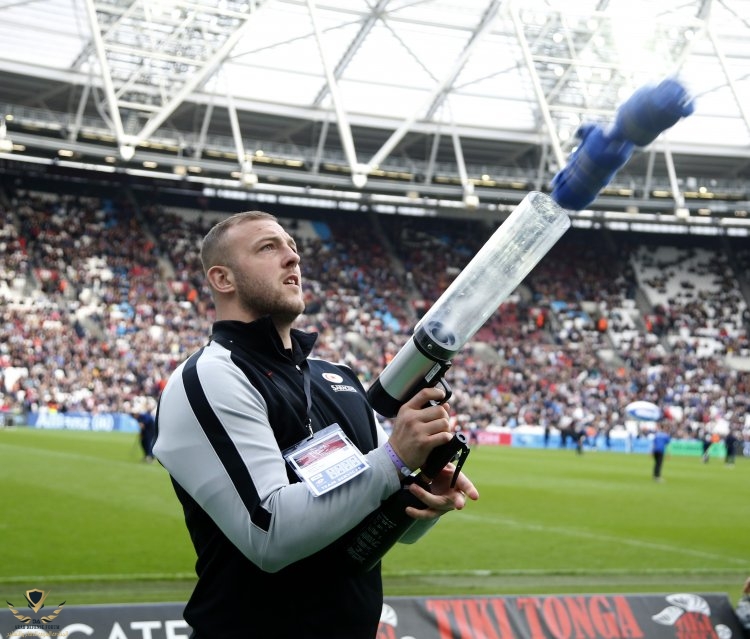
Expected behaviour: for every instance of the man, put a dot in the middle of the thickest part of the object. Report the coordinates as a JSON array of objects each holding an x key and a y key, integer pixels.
[
  {"x": 268, "y": 560},
  {"x": 730, "y": 443},
  {"x": 659, "y": 449},
  {"x": 147, "y": 426}
]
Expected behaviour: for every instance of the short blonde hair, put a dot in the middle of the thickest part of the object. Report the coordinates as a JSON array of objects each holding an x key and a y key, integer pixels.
[{"x": 212, "y": 246}]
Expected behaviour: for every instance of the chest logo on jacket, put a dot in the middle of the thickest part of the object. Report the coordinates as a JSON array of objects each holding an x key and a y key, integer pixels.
[{"x": 336, "y": 385}]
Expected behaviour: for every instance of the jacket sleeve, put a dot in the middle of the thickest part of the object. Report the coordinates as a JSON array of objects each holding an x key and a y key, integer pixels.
[
  {"x": 215, "y": 440},
  {"x": 421, "y": 526}
]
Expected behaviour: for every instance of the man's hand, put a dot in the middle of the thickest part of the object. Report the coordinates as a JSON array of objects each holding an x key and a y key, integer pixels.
[
  {"x": 421, "y": 424},
  {"x": 442, "y": 498}
]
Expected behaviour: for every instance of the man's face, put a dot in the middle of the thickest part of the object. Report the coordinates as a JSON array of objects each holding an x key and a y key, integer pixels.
[{"x": 263, "y": 258}]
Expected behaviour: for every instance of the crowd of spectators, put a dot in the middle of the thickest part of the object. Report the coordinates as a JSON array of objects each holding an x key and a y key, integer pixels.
[{"x": 103, "y": 297}]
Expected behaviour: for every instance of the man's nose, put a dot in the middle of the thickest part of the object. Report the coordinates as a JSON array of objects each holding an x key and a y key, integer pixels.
[{"x": 292, "y": 256}]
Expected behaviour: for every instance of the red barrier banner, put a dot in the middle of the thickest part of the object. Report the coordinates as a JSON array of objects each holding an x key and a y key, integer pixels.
[{"x": 669, "y": 616}]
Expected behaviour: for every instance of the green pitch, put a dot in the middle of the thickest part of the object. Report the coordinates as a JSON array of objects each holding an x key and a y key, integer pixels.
[{"x": 85, "y": 518}]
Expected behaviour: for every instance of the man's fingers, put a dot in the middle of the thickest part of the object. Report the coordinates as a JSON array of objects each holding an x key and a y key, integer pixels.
[{"x": 425, "y": 396}]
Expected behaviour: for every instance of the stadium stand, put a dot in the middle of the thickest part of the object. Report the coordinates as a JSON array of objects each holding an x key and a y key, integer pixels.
[{"x": 102, "y": 295}]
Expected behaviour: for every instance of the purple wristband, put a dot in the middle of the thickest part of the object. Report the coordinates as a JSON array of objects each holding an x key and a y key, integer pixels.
[{"x": 403, "y": 469}]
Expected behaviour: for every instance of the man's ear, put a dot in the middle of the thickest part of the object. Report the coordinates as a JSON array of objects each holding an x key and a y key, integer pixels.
[{"x": 221, "y": 279}]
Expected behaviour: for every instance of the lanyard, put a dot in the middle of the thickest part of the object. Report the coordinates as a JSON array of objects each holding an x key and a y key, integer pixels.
[{"x": 305, "y": 370}]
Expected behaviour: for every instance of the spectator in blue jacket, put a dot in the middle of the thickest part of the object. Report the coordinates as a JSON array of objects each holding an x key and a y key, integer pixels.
[
  {"x": 147, "y": 425},
  {"x": 659, "y": 449}
]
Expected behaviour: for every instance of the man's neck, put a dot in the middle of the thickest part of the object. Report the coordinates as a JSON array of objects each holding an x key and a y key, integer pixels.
[{"x": 284, "y": 330}]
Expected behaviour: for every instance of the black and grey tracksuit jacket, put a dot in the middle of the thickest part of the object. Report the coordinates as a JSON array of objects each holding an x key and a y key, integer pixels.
[{"x": 267, "y": 562}]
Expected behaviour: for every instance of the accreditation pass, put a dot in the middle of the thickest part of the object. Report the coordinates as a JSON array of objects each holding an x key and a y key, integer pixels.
[{"x": 326, "y": 460}]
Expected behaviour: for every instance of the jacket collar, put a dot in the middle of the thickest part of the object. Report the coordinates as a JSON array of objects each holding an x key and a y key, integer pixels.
[{"x": 261, "y": 336}]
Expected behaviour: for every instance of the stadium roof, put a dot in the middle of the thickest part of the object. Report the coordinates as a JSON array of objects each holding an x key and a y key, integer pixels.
[{"x": 412, "y": 99}]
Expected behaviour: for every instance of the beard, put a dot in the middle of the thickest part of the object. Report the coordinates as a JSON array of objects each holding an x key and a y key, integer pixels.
[{"x": 260, "y": 298}]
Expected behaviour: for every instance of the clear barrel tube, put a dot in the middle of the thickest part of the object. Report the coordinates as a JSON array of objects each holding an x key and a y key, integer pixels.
[{"x": 495, "y": 271}]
